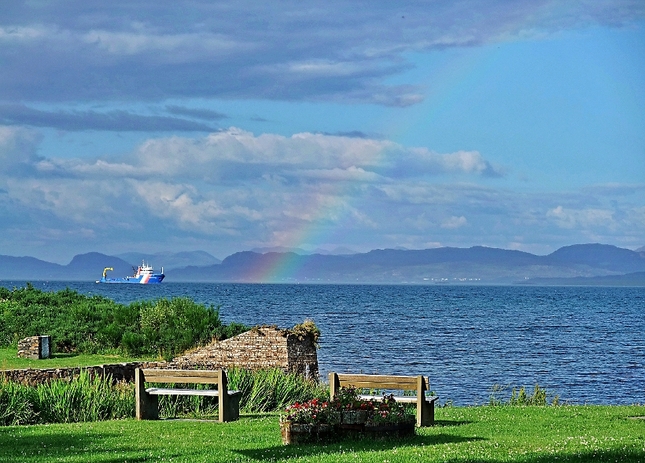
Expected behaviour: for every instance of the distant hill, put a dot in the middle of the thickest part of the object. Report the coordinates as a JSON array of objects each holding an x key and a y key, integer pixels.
[
  {"x": 90, "y": 267},
  {"x": 577, "y": 264},
  {"x": 28, "y": 268},
  {"x": 171, "y": 260},
  {"x": 599, "y": 256},
  {"x": 302, "y": 252},
  {"x": 476, "y": 265},
  {"x": 82, "y": 267}
]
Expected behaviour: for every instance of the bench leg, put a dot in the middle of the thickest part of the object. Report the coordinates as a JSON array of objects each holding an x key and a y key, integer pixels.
[
  {"x": 230, "y": 411},
  {"x": 425, "y": 413},
  {"x": 147, "y": 406},
  {"x": 229, "y": 404},
  {"x": 334, "y": 385}
]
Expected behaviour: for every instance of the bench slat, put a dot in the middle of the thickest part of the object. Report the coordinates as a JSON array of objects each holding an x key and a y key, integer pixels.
[
  {"x": 169, "y": 391},
  {"x": 406, "y": 383},
  {"x": 164, "y": 391},
  {"x": 378, "y": 385},
  {"x": 180, "y": 376}
]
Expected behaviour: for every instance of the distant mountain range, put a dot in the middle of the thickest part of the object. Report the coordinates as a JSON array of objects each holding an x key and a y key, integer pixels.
[
  {"x": 594, "y": 264},
  {"x": 89, "y": 267},
  {"x": 302, "y": 252}
]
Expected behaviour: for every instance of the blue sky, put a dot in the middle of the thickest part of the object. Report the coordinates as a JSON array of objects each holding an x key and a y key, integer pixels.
[{"x": 226, "y": 126}]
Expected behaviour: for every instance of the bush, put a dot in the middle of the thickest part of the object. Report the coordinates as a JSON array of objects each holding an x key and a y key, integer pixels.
[
  {"x": 520, "y": 396},
  {"x": 94, "y": 324}
]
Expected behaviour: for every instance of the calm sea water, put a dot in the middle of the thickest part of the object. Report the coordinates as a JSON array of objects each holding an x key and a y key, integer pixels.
[{"x": 586, "y": 344}]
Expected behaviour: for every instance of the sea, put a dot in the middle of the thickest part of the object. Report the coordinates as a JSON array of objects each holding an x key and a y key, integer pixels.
[{"x": 585, "y": 345}]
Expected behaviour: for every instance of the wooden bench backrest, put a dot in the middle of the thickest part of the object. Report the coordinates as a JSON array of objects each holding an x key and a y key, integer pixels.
[
  {"x": 404, "y": 383},
  {"x": 152, "y": 375}
]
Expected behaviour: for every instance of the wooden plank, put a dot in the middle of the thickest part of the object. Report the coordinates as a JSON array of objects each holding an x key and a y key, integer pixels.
[
  {"x": 172, "y": 391},
  {"x": 385, "y": 378},
  {"x": 377, "y": 385},
  {"x": 182, "y": 376},
  {"x": 199, "y": 392},
  {"x": 405, "y": 383}
]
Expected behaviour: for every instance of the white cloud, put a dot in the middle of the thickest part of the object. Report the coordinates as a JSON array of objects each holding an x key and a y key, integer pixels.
[
  {"x": 233, "y": 153},
  {"x": 17, "y": 146},
  {"x": 454, "y": 222},
  {"x": 587, "y": 217},
  {"x": 241, "y": 190}
]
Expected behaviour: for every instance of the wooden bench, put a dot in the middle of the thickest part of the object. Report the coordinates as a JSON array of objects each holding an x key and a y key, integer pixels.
[
  {"x": 420, "y": 384},
  {"x": 147, "y": 400}
]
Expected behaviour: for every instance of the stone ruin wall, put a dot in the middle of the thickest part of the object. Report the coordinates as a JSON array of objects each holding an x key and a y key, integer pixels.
[
  {"x": 262, "y": 347},
  {"x": 118, "y": 372}
]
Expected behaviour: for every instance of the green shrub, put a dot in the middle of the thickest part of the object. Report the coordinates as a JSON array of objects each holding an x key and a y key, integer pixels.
[
  {"x": 94, "y": 324},
  {"x": 521, "y": 397}
]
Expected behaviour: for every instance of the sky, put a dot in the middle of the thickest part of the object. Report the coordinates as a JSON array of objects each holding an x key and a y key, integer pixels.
[{"x": 224, "y": 126}]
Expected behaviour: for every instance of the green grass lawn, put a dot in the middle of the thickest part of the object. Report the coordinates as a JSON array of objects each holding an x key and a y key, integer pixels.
[
  {"x": 463, "y": 434},
  {"x": 9, "y": 360}
]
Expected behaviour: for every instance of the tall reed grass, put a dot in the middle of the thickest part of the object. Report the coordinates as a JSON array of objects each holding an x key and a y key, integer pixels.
[
  {"x": 87, "y": 398},
  {"x": 521, "y": 397},
  {"x": 273, "y": 389},
  {"x": 261, "y": 391},
  {"x": 61, "y": 401}
]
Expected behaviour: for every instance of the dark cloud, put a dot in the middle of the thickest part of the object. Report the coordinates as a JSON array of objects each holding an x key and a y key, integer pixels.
[
  {"x": 117, "y": 120},
  {"x": 349, "y": 134},
  {"x": 294, "y": 50},
  {"x": 205, "y": 114}
]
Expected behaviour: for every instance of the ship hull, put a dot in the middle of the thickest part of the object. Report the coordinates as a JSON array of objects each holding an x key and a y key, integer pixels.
[{"x": 142, "y": 280}]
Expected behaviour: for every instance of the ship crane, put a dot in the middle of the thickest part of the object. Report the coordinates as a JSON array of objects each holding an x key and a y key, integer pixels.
[{"x": 105, "y": 271}]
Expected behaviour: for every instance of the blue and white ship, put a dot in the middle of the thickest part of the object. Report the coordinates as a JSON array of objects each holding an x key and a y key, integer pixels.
[{"x": 144, "y": 275}]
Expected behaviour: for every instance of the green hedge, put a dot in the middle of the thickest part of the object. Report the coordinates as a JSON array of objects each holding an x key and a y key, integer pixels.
[{"x": 95, "y": 324}]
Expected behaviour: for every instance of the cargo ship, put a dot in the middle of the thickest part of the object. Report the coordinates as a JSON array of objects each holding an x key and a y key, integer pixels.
[{"x": 143, "y": 275}]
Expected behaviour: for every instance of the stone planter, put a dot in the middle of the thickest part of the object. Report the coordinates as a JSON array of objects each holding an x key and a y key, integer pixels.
[{"x": 297, "y": 433}]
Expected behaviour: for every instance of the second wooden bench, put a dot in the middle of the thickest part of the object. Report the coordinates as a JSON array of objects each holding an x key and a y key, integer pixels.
[{"x": 420, "y": 384}]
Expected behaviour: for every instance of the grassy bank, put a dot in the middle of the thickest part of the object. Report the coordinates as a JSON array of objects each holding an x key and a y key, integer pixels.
[
  {"x": 470, "y": 434},
  {"x": 9, "y": 360}
]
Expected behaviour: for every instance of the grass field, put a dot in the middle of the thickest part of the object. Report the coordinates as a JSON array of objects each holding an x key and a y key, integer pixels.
[
  {"x": 463, "y": 434},
  {"x": 10, "y": 361}
]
